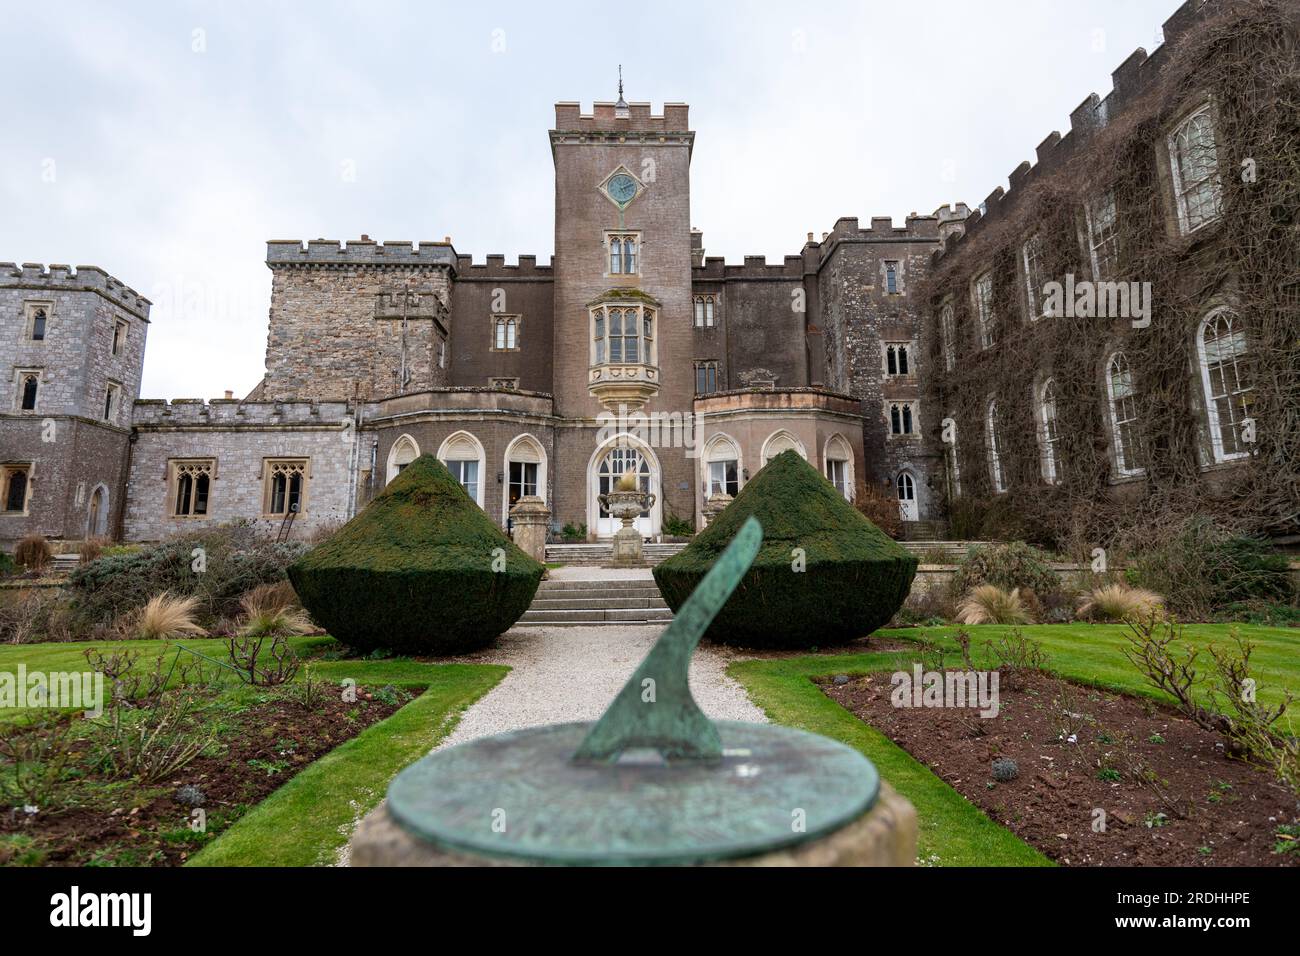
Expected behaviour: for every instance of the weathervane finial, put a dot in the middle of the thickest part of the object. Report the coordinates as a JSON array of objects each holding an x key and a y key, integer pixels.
[
  {"x": 620, "y": 108},
  {"x": 620, "y": 81}
]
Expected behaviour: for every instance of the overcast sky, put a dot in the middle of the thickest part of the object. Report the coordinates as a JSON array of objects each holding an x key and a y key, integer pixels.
[{"x": 166, "y": 142}]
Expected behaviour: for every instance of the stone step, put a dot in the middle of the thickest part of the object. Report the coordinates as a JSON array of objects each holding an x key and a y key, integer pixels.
[
  {"x": 617, "y": 586},
  {"x": 594, "y": 601},
  {"x": 597, "y": 616}
]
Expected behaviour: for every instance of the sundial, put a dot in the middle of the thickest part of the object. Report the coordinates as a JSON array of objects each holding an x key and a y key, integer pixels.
[{"x": 653, "y": 782}]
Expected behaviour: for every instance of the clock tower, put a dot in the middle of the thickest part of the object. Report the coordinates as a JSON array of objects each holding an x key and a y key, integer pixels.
[{"x": 622, "y": 320}]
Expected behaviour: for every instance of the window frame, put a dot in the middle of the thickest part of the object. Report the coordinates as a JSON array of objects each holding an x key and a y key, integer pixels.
[
  {"x": 8, "y": 470},
  {"x": 1049, "y": 435},
  {"x": 273, "y": 467},
  {"x": 993, "y": 447},
  {"x": 1103, "y": 243},
  {"x": 948, "y": 334},
  {"x": 21, "y": 377},
  {"x": 893, "y": 274},
  {"x": 30, "y": 309},
  {"x": 704, "y": 308},
  {"x": 193, "y": 468},
  {"x": 902, "y": 353},
  {"x": 1240, "y": 365},
  {"x": 121, "y": 329},
  {"x": 643, "y": 319},
  {"x": 1129, "y": 426},
  {"x": 909, "y": 413},
  {"x": 112, "y": 401},
  {"x": 1031, "y": 260},
  {"x": 617, "y": 264},
  {"x": 1213, "y": 179},
  {"x": 984, "y": 312},
  {"x": 507, "y": 329}
]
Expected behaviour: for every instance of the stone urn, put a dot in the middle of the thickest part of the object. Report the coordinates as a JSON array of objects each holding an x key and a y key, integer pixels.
[
  {"x": 626, "y": 502},
  {"x": 715, "y": 504}
]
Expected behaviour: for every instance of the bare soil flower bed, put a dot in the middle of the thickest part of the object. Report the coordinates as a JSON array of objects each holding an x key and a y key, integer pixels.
[
  {"x": 1169, "y": 794},
  {"x": 99, "y": 821}
]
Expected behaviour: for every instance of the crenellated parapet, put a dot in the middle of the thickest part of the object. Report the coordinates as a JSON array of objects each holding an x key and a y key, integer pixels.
[
  {"x": 35, "y": 276},
  {"x": 496, "y": 268},
  {"x": 605, "y": 125},
  {"x": 187, "y": 412},
  {"x": 325, "y": 253},
  {"x": 1132, "y": 78},
  {"x": 755, "y": 268}
]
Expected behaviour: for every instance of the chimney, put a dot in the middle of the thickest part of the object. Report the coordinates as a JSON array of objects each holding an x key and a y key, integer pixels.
[{"x": 229, "y": 393}]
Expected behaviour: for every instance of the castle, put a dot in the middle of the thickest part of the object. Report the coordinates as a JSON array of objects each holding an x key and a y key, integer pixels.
[{"x": 631, "y": 350}]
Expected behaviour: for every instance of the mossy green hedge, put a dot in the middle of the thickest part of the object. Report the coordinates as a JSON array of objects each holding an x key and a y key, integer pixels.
[
  {"x": 421, "y": 570},
  {"x": 853, "y": 577}
]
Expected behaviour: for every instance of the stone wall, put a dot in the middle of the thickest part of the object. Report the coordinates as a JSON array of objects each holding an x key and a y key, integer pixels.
[
  {"x": 479, "y": 294},
  {"x": 240, "y": 436},
  {"x": 336, "y": 329}
]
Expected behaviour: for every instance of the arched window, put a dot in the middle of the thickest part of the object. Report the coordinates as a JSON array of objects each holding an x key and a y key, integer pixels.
[
  {"x": 1225, "y": 377},
  {"x": 463, "y": 456},
  {"x": 403, "y": 452},
  {"x": 1122, "y": 396},
  {"x": 722, "y": 458},
  {"x": 983, "y": 295},
  {"x": 525, "y": 471},
  {"x": 622, "y": 255},
  {"x": 1194, "y": 160},
  {"x": 907, "y": 507},
  {"x": 950, "y": 453},
  {"x": 1047, "y": 434},
  {"x": 623, "y": 335},
  {"x": 838, "y": 457},
  {"x": 779, "y": 442},
  {"x": 994, "y": 442},
  {"x": 15, "y": 482},
  {"x": 28, "y": 394},
  {"x": 506, "y": 333},
  {"x": 38, "y": 325}
]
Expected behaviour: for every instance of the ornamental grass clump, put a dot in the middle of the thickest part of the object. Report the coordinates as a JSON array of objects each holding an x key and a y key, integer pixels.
[
  {"x": 1119, "y": 602},
  {"x": 823, "y": 575},
  {"x": 421, "y": 570},
  {"x": 166, "y": 617},
  {"x": 989, "y": 604}
]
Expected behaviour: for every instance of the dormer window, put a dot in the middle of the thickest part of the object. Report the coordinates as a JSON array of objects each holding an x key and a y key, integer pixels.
[{"x": 622, "y": 253}]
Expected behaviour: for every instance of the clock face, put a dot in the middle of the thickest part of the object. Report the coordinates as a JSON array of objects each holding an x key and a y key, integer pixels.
[{"x": 621, "y": 189}]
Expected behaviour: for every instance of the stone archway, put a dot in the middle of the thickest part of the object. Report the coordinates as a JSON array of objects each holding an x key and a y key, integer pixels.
[{"x": 622, "y": 453}]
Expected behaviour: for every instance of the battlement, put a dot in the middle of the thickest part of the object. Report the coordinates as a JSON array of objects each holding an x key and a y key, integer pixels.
[
  {"x": 496, "y": 268},
  {"x": 1135, "y": 76},
  {"x": 332, "y": 252},
  {"x": 754, "y": 268},
  {"x": 35, "y": 276},
  {"x": 569, "y": 118},
  {"x": 234, "y": 412}
]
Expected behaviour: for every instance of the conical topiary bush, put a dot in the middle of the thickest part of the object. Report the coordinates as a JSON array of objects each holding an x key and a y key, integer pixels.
[
  {"x": 824, "y": 575},
  {"x": 421, "y": 570}
]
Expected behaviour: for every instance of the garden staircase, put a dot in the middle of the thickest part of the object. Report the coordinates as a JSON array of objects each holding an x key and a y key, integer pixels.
[
  {"x": 601, "y": 553},
  {"x": 573, "y": 603}
]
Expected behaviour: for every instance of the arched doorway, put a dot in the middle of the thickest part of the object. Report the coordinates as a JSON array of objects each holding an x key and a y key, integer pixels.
[
  {"x": 623, "y": 454},
  {"x": 97, "y": 513},
  {"x": 907, "y": 507}
]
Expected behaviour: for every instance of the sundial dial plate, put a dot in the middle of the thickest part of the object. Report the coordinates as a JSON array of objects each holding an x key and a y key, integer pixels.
[{"x": 520, "y": 795}]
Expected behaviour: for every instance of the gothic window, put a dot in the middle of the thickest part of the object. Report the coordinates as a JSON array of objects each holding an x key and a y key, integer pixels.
[
  {"x": 902, "y": 418},
  {"x": 39, "y": 318},
  {"x": 993, "y": 440},
  {"x": 622, "y": 253},
  {"x": 1049, "y": 437},
  {"x": 286, "y": 486},
  {"x": 782, "y": 441},
  {"x": 191, "y": 483},
  {"x": 1103, "y": 235},
  {"x": 1122, "y": 397},
  {"x": 954, "y": 466},
  {"x": 28, "y": 384},
  {"x": 404, "y": 451},
  {"x": 119, "y": 337},
  {"x": 112, "y": 397},
  {"x": 706, "y": 378},
  {"x": 891, "y": 277},
  {"x": 1194, "y": 163},
  {"x": 723, "y": 458},
  {"x": 898, "y": 358},
  {"x": 1031, "y": 254},
  {"x": 617, "y": 462},
  {"x": 839, "y": 466},
  {"x": 948, "y": 336},
  {"x": 505, "y": 333},
  {"x": 705, "y": 306},
  {"x": 463, "y": 456},
  {"x": 15, "y": 480},
  {"x": 1225, "y": 377},
  {"x": 983, "y": 293}
]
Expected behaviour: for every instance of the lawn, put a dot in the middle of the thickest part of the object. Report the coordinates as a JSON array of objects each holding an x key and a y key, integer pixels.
[
  {"x": 953, "y": 832},
  {"x": 307, "y": 820}
]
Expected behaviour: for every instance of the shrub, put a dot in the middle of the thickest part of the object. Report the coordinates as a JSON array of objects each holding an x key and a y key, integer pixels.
[
  {"x": 271, "y": 610},
  {"x": 823, "y": 574},
  {"x": 1009, "y": 566},
  {"x": 989, "y": 604},
  {"x": 7, "y": 564},
  {"x": 574, "y": 534},
  {"x": 1119, "y": 602},
  {"x": 879, "y": 508},
  {"x": 91, "y": 549},
  {"x": 1201, "y": 567},
  {"x": 31, "y": 615},
  {"x": 165, "y": 617},
  {"x": 33, "y": 553},
  {"x": 677, "y": 527},
  {"x": 422, "y": 570},
  {"x": 233, "y": 562}
]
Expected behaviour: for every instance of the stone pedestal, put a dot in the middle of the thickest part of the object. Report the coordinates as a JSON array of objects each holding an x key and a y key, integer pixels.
[
  {"x": 714, "y": 505},
  {"x": 530, "y": 519},
  {"x": 628, "y": 551},
  {"x": 883, "y": 836}
]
